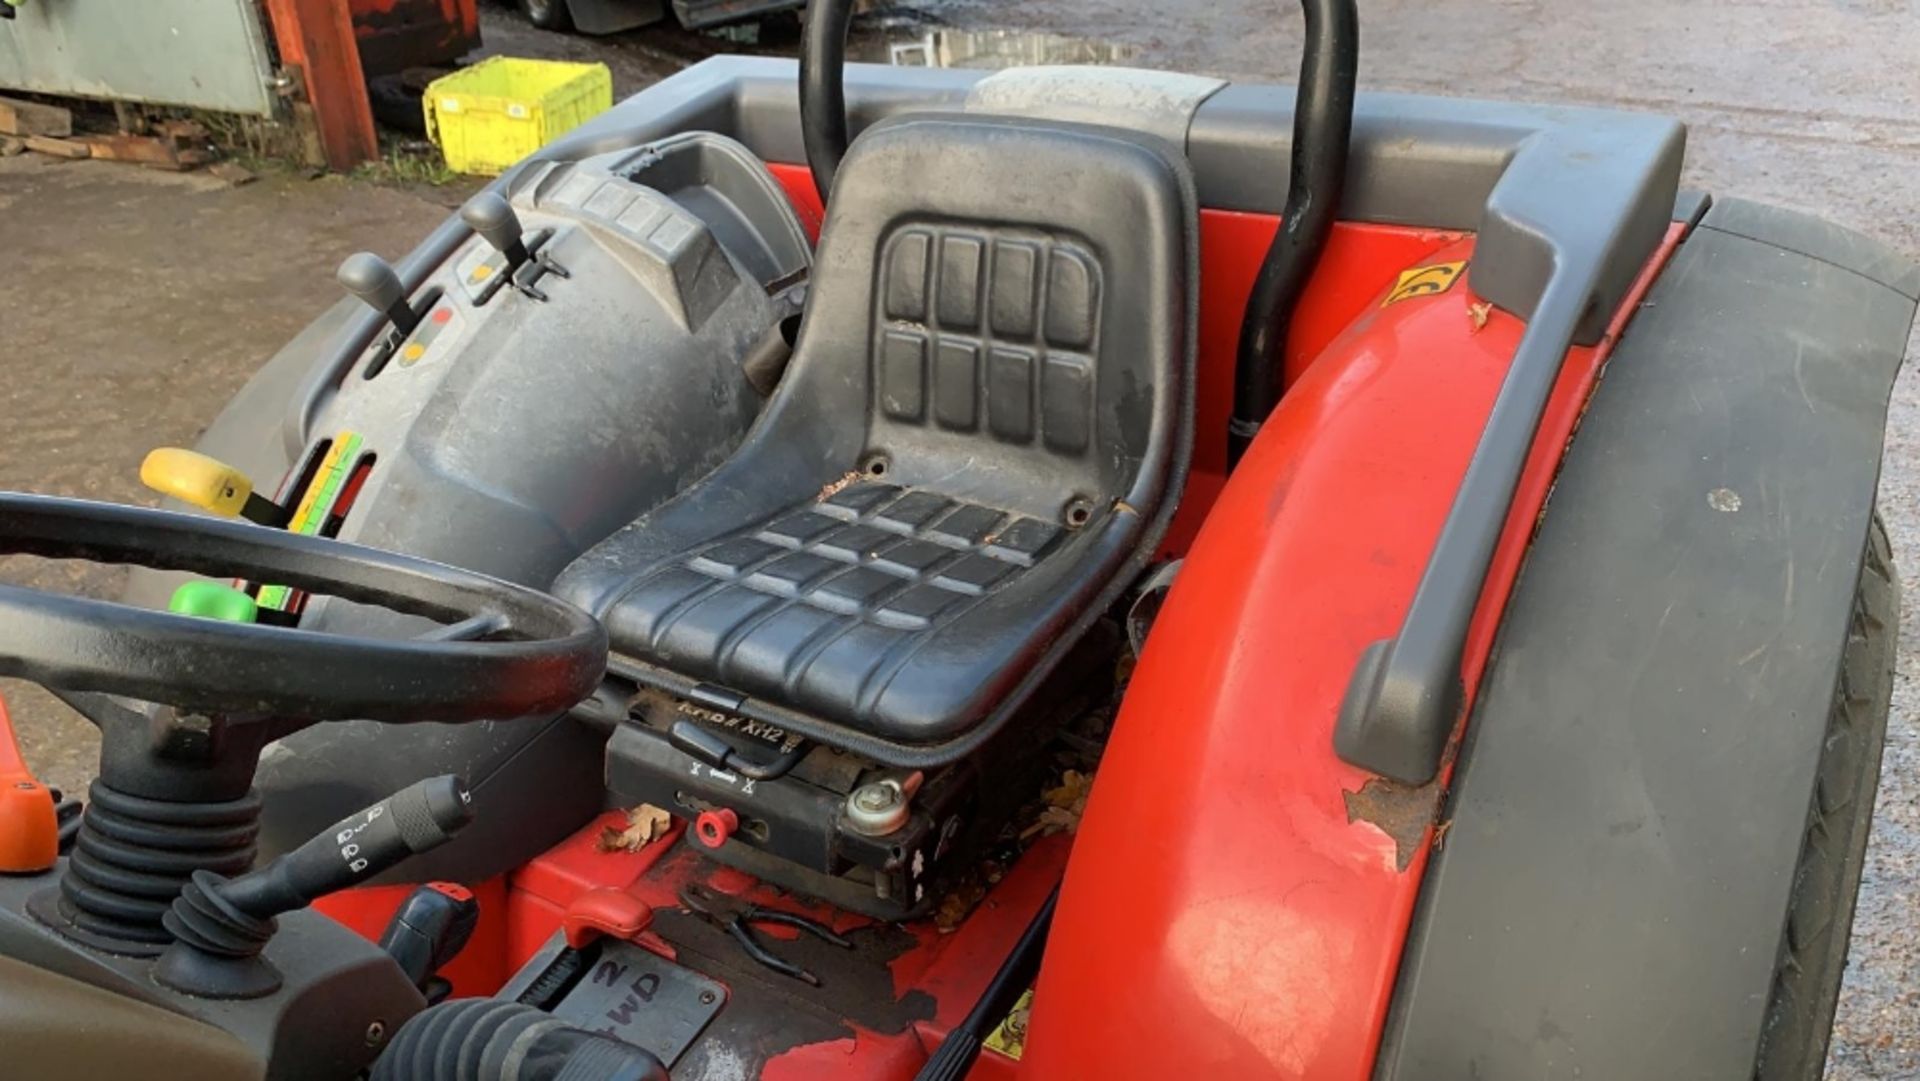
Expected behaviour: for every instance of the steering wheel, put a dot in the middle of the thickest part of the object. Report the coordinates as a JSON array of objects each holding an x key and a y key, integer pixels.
[{"x": 538, "y": 654}]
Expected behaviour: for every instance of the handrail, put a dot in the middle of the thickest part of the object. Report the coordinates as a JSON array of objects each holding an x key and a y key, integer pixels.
[
  {"x": 823, "y": 89},
  {"x": 1316, "y": 176},
  {"x": 1405, "y": 695}
]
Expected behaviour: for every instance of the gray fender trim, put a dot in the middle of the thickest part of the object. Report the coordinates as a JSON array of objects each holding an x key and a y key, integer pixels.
[{"x": 1629, "y": 807}]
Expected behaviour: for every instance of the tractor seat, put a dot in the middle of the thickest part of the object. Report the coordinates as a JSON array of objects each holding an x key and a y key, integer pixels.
[{"x": 979, "y": 441}]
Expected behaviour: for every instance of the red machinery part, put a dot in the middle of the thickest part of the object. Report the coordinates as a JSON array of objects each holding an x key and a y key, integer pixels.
[
  {"x": 1272, "y": 940},
  {"x": 452, "y": 890},
  {"x": 604, "y": 911},
  {"x": 394, "y": 35},
  {"x": 316, "y": 37},
  {"x": 29, "y": 826},
  {"x": 712, "y": 828}
]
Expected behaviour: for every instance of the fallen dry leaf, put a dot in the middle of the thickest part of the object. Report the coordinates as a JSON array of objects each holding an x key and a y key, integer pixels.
[
  {"x": 1065, "y": 804},
  {"x": 1479, "y": 312},
  {"x": 1072, "y": 791},
  {"x": 645, "y": 824},
  {"x": 834, "y": 488},
  {"x": 958, "y": 905}
]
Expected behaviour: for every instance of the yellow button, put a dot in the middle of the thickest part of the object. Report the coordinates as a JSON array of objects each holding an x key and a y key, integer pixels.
[
  {"x": 194, "y": 478},
  {"x": 482, "y": 272},
  {"x": 413, "y": 352}
]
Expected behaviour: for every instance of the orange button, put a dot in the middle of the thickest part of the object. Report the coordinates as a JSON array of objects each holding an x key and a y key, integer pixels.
[{"x": 29, "y": 828}]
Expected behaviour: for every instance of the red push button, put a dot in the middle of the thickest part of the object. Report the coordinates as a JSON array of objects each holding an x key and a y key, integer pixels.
[{"x": 715, "y": 826}]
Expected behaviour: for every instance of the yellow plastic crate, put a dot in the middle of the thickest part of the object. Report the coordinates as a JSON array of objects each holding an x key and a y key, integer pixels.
[{"x": 487, "y": 117}]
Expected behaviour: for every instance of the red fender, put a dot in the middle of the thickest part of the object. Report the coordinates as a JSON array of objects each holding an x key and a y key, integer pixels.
[{"x": 1238, "y": 898}]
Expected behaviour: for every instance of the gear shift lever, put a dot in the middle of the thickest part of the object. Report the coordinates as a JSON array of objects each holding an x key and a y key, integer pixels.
[
  {"x": 493, "y": 218},
  {"x": 378, "y": 285}
]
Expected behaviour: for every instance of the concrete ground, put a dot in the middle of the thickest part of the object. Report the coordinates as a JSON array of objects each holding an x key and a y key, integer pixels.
[{"x": 137, "y": 302}]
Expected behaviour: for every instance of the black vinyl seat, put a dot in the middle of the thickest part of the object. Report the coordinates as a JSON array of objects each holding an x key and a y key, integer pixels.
[{"x": 981, "y": 437}]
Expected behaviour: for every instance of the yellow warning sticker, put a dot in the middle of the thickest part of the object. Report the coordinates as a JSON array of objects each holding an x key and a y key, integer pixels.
[
  {"x": 1010, "y": 1038},
  {"x": 1424, "y": 281}
]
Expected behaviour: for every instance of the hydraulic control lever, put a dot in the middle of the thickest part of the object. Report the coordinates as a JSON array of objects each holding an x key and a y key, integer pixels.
[
  {"x": 493, "y": 218},
  {"x": 220, "y": 925},
  {"x": 526, "y": 263},
  {"x": 210, "y": 484},
  {"x": 428, "y": 930},
  {"x": 379, "y": 287}
]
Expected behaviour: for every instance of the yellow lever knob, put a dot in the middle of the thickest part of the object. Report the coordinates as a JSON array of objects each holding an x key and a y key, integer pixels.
[{"x": 194, "y": 478}]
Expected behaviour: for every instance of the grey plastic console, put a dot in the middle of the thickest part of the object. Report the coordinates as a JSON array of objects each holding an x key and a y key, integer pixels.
[{"x": 510, "y": 434}]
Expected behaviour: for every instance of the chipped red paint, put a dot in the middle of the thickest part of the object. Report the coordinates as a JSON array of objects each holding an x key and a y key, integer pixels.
[{"x": 1266, "y": 945}]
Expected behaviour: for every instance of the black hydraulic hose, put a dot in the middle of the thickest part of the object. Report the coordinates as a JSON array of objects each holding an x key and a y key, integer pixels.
[
  {"x": 823, "y": 89},
  {"x": 1322, "y": 131}
]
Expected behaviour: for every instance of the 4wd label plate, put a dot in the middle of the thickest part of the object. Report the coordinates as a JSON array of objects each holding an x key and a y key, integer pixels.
[{"x": 644, "y": 999}]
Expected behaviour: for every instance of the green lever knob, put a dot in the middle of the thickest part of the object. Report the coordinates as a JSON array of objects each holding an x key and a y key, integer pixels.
[{"x": 211, "y": 600}]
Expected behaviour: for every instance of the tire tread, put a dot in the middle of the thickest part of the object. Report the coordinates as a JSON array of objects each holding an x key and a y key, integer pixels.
[{"x": 1813, "y": 952}]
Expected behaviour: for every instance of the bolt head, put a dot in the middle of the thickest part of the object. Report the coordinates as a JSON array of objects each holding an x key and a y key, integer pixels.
[
  {"x": 376, "y": 1032},
  {"x": 876, "y": 797}
]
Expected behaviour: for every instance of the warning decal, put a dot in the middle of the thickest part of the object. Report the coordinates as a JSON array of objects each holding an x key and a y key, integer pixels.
[{"x": 1422, "y": 281}]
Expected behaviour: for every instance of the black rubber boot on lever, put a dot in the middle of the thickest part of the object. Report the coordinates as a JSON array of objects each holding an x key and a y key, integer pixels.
[{"x": 220, "y": 925}]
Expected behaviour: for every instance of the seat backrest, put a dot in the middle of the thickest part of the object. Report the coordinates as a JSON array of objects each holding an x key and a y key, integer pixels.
[{"x": 1002, "y": 310}]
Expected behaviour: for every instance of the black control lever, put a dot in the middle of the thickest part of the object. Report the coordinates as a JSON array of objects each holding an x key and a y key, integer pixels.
[
  {"x": 428, "y": 930},
  {"x": 526, "y": 263},
  {"x": 704, "y": 746},
  {"x": 220, "y": 925},
  {"x": 379, "y": 287},
  {"x": 493, "y": 218}
]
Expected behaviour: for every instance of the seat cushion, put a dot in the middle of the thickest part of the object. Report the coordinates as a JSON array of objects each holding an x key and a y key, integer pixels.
[
  {"x": 981, "y": 436},
  {"x": 899, "y": 611}
]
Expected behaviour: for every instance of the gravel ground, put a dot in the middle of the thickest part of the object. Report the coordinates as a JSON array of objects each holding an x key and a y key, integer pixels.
[{"x": 150, "y": 297}]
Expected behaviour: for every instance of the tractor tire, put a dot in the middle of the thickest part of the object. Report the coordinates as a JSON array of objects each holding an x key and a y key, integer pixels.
[
  {"x": 1813, "y": 952},
  {"x": 396, "y": 104},
  {"x": 547, "y": 14}
]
